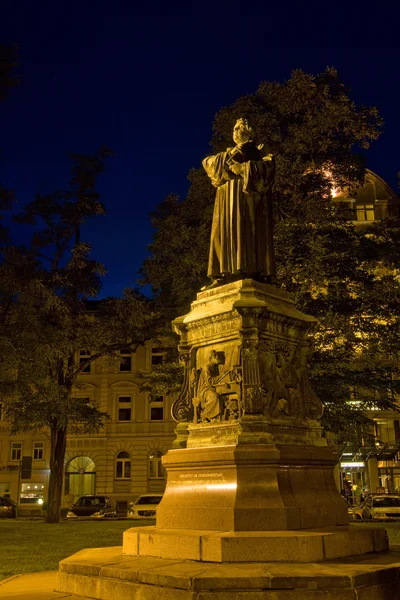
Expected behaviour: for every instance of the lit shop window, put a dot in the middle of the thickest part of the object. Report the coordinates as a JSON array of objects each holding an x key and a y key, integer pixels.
[{"x": 32, "y": 493}]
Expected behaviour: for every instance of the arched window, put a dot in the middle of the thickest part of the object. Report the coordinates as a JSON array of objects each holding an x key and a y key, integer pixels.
[
  {"x": 156, "y": 470},
  {"x": 123, "y": 465},
  {"x": 80, "y": 477}
]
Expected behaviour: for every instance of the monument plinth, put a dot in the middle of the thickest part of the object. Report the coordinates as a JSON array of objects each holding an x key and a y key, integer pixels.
[{"x": 255, "y": 458}]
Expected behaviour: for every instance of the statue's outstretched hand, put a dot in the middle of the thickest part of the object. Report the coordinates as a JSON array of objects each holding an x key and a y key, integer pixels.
[{"x": 236, "y": 168}]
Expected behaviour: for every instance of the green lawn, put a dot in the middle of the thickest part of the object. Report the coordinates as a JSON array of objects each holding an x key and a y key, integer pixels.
[{"x": 28, "y": 546}]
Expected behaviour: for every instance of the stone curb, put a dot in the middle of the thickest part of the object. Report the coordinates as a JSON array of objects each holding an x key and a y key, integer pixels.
[{"x": 4, "y": 581}]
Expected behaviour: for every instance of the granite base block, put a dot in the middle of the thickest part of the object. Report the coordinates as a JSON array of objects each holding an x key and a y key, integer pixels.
[
  {"x": 106, "y": 573},
  {"x": 254, "y": 546}
]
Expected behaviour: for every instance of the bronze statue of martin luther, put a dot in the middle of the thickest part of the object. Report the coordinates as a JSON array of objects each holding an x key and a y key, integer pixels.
[{"x": 242, "y": 228}]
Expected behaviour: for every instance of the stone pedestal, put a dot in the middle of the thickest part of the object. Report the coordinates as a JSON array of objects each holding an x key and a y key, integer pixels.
[
  {"x": 251, "y": 509},
  {"x": 250, "y": 487},
  {"x": 261, "y": 464}
]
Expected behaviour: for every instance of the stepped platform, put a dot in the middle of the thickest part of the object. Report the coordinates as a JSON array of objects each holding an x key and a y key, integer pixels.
[
  {"x": 105, "y": 573},
  {"x": 350, "y": 564}
]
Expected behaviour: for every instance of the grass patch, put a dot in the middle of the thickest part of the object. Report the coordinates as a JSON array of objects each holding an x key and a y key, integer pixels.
[{"x": 29, "y": 546}]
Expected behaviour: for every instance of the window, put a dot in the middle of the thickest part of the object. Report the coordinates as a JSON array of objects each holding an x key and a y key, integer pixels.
[
  {"x": 365, "y": 212},
  {"x": 80, "y": 476},
  {"x": 157, "y": 409},
  {"x": 385, "y": 431},
  {"x": 126, "y": 360},
  {"x": 123, "y": 465},
  {"x": 16, "y": 450},
  {"x": 124, "y": 408},
  {"x": 84, "y": 355},
  {"x": 32, "y": 493},
  {"x": 157, "y": 356},
  {"x": 156, "y": 470},
  {"x": 38, "y": 450}
]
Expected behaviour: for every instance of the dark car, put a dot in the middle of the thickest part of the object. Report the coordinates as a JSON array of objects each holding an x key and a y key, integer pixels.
[
  {"x": 8, "y": 508},
  {"x": 92, "y": 506}
]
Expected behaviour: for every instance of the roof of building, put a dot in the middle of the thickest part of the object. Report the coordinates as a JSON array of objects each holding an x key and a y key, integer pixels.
[{"x": 374, "y": 189}]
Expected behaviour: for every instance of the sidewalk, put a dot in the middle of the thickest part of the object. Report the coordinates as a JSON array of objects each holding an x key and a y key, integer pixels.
[{"x": 33, "y": 586}]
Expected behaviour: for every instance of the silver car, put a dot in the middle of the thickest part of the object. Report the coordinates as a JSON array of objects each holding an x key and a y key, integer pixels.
[
  {"x": 144, "y": 507},
  {"x": 385, "y": 507}
]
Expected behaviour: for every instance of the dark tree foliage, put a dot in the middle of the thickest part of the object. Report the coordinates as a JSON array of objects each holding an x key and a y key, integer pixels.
[
  {"x": 48, "y": 316},
  {"x": 344, "y": 276}
]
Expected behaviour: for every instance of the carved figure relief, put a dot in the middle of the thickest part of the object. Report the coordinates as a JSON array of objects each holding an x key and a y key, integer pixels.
[
  {"x": 281, "y": 380},
  {"x": 263, "y": 377},
  {"x": 215, "y": 393},
  {"x": 254, "y": 400}
]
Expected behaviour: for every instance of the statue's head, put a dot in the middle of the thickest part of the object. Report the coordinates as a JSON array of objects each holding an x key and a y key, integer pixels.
[
  {"x": 243, "y": 132},
  {"x": 214, "y": 358}
]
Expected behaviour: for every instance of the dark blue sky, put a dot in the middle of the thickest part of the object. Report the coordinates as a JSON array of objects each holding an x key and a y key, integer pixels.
[{"x": 148, "y": 87}]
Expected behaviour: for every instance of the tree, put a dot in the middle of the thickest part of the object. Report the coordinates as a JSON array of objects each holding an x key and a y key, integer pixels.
[
  {"x": 334, "y": 271},
  {"x": 48, "y": 316}
]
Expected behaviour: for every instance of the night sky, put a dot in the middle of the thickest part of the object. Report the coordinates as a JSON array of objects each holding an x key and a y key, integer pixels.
[{"x": 148, "y": 87}]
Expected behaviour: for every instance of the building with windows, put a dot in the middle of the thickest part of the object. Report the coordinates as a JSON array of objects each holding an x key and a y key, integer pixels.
[
  {"x": 122, "y": 460},
  {"x": 374, "y": 200},
  {"x": 376, "y": 467}
]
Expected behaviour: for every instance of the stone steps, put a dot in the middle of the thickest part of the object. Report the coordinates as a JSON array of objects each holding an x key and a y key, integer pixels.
[
  {"x": 106, "y": 573},
  {"x": 302, "y": 546}
]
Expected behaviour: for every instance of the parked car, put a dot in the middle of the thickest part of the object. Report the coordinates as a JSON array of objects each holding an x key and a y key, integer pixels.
[
  {"x": 91, "y": 506},
  {"x": 8, "y": 508},
  {"x": 144, "y": 507},
  {"x": 381, "y": 507}
]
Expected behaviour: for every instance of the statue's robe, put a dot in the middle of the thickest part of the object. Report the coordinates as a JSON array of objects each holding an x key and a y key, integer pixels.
[{"x": 242, "y": 227}]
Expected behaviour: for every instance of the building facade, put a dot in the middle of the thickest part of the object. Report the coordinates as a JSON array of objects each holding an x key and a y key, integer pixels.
[
  {"x": 377, "y": 467},
  {"x": 122, "y": 460}
]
